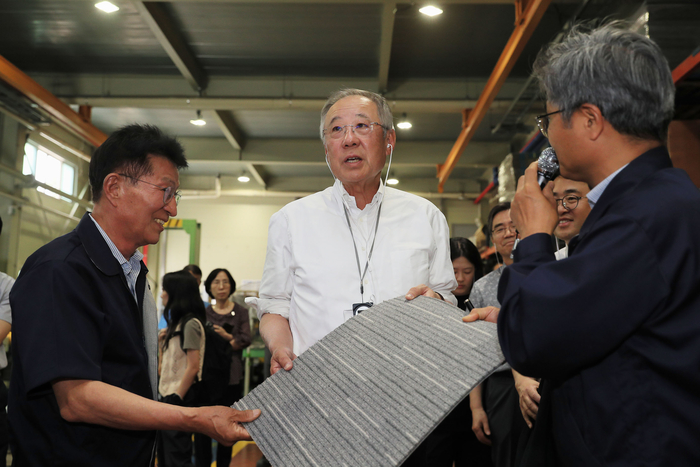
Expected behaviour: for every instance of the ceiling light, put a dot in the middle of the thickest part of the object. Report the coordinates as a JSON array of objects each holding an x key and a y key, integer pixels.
[
  {"x": 244, "y": 178},
  {"x": 199, "y": 121},
  {"x": 392, "y": 179},
  {"x": 431, "y": 10},
  {"x": 404, "y": 124},
  {"x": 107, "y": 7}
]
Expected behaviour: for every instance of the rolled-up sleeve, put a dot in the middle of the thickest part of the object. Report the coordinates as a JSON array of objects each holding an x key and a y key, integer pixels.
[
  {"x": 442, "y": 276},
  {"x": 276, "y": 285}
]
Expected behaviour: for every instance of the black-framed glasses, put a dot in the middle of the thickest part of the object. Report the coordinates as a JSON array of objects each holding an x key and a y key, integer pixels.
[
  {"x": 360, "y": 129},
  {"x": 543, "y": 121},
  {"x": 569, "y": 202},
  {"x": 500, "y": 231},
  {"x": 168, "y": 192}
]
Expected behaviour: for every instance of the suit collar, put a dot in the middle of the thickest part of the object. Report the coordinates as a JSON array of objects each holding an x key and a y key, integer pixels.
[{"x": 96, "y": 248}]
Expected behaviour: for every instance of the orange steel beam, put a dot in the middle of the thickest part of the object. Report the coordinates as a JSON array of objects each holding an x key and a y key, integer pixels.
[
  {"x": 521, "y": 34},
  {"x": 686, "y": 67},
  {"x": 50, "y": 103}
]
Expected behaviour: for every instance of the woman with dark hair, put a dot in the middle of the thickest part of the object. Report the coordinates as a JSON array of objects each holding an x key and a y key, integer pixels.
[
  {"x": 183, "y": 353},
  {"x": 230, "y": 321},
  {"x": 467, "y": 265}
]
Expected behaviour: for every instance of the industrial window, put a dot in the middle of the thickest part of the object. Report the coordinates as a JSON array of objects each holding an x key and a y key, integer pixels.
[{"x": 50, "y": 169}]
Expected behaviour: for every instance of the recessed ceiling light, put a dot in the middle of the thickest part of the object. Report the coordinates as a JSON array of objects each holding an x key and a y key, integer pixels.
[
  {"x": 431, "y": 10},
  {"x": 404, "y": 124},
  {"x": 199, "y": 121},
  {"x": 392, "y": 181},
  {"x": 107, "y": 7},
  {"x": 244, "y": 178}
]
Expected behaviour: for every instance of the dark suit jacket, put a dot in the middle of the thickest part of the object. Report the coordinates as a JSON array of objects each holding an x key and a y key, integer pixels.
[
  {"x": 616, "y": 326},
  {"x": 74, "y": 317}
]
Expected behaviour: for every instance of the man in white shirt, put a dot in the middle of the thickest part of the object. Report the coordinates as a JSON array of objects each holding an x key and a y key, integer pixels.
[{"x": 355, "y": 244}]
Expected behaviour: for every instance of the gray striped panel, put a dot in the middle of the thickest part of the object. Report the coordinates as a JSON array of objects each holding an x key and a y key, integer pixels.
[{"x": 370, "y": 391}]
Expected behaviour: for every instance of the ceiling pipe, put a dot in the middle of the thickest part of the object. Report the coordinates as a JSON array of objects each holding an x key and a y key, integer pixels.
[
  {"x": 51, "y": 104},
  {"x": 525, "y": 26}
]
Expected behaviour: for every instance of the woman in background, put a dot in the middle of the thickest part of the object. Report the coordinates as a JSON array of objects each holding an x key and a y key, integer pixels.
[
  {"x": 467, "y": 266},
  {"x": 453, "y": 442},
  {"x": 230, "y": 321},
  {"x": 182, "y": 354}
]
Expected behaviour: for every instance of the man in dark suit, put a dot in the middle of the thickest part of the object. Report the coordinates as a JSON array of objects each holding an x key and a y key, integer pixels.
[
  {"x": 615, "y": 328},
  {"x": 84, "y": 323}
]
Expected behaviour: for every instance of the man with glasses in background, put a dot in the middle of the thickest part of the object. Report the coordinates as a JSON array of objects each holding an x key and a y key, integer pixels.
[
  {"x": 573, "y": 209},
  {"x": 614, "y": 329},
  {"x": 357, "y": 243},
  {"x": 84, "y": 323}
]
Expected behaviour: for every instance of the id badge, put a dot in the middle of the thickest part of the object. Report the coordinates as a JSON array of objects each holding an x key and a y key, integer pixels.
[{"x": 358, "y": 308}]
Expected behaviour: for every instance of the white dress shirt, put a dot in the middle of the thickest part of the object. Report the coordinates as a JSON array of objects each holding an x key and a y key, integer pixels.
[{"x": 311, "y": 275}]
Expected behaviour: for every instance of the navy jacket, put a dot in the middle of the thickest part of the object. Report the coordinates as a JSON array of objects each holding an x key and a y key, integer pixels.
[
  {"x": 74, "y": 317},
  {"x": 616, "y": 327}
]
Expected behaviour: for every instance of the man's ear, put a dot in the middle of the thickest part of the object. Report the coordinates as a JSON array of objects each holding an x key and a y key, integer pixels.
[
  {"x": 112, "y": 188},
  {"x": 593, "y": 121}
]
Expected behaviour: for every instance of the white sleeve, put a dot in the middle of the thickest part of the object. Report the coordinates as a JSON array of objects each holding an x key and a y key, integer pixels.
[
  {"x": 6, "y": 283},
  {"x": 276, "y": 285},
  {"x": 442, "y": 276}
]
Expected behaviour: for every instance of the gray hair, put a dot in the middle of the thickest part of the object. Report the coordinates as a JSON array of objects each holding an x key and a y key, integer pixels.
[
  {"x": 621, "y": 72},
  {"x": 386, "y": 118}
]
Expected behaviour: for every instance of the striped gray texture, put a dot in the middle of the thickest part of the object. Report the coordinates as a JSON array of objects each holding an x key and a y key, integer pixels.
[{"x": 370, "y": 391}]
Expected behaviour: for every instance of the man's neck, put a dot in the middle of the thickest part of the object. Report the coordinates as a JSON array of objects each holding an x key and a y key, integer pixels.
[
  {"x": 362, "y": 192},
  {"x": 620, "y": 151},
  {"x": 124, "y": 247}
]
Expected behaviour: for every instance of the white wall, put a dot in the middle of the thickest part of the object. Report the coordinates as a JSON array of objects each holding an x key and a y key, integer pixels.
[{"x": 233, "y": 236}]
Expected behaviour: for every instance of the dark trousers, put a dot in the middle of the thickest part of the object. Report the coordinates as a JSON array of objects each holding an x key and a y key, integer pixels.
[
  {"x": 175, "y": 447},
  {"x": 202, "y": 443},
  {"x": 505, "y": 419},
  {"x": 4, "y": 428},
  {"x": 454, "y": 441}
]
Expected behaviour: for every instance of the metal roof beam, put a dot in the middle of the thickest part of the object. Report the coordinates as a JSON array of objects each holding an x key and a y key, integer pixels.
[
  {"x": 230, "y": 128},
  {"x": 527, "y": 22},
  {"x": 174, "y": 44},
  {"x": 387, "y": 37},
  {"x": 60, "y": 111}
]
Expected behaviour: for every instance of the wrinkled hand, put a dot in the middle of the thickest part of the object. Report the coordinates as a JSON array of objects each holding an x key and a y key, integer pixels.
[
  {"x": 422, "y": 290},
  {"x": 489, "y": 313},
  {"x": 224, "y": 423},
  {"x": 528, "y": 397},
  {"x": 281, "y": 358},
  {"x": 222, "y": 332},
  {"x": 533, "y": 210},
  {"x": 480, "y": 426}
]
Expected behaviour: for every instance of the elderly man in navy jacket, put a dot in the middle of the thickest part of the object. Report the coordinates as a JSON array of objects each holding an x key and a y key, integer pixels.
[
  {"x": 84, "y": 323},
  {"x": 615, "y": 328}
]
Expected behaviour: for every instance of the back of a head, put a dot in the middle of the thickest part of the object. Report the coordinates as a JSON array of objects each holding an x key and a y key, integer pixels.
[
  {"x": 127, "y": 150},
  {"x": 386, "y": 118},
  {"x": 623, "y": 73},
  {"x": 463, "y": 247},
  {"x": 183, "y": 297}
]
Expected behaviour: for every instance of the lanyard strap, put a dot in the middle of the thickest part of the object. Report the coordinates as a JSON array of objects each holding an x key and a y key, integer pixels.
[{"x": 357, "y": 256}]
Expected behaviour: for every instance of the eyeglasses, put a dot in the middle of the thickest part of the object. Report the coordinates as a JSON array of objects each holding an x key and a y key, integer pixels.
[
  {"x": 168, "y": 192},
  {"x": 543, "y": 121},
  {"x": 569, "y": 202},
  {"x": 360, "y": 129},
  {"x": 501, "y": 231}
]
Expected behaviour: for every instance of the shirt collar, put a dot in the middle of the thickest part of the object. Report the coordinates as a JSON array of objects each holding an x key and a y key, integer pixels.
[
  {"x": 350, "y": 200},
  {"x": 127, "y": 265},
  {"x": 597, "y": 191}
]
